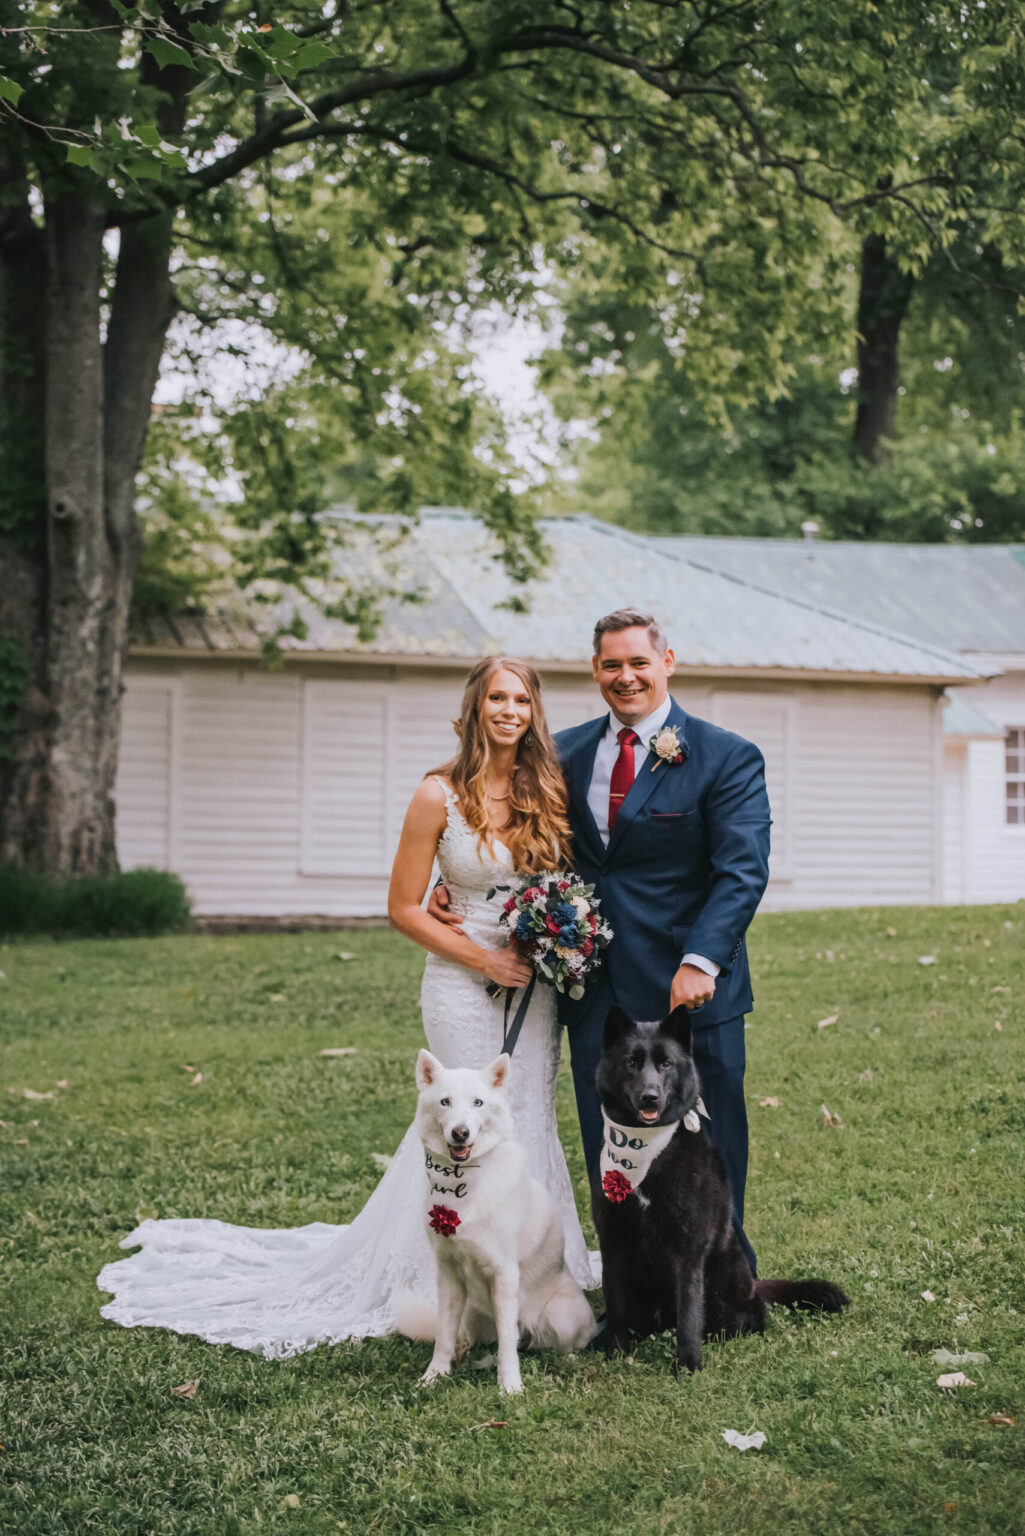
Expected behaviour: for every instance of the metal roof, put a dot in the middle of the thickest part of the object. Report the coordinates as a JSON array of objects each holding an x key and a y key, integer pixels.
[
  {"x": 716, "y": 620},
  {"x": 960, "y": 718},
  {"x": 964, "y": 597}
]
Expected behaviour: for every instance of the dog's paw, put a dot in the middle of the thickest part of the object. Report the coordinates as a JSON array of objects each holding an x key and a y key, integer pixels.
[
  {"x": 510, "y": 1385},
  {"x": 433, "y": 1372}
]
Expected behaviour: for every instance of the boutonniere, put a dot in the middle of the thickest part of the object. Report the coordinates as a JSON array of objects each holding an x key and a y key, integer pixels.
[{"x": 665, "y": 744}]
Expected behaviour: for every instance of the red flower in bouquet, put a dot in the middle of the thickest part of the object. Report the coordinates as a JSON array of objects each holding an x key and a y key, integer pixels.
[
  {"x": 616, "y": 1186},
  {"x": 443, "y": 1220}
]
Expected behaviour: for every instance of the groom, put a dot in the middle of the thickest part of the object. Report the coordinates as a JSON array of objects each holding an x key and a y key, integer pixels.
[{"x": 676, "y": 844}]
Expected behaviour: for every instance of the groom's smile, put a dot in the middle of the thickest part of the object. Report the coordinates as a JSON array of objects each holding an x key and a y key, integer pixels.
[{"x": 632, "y": 674}]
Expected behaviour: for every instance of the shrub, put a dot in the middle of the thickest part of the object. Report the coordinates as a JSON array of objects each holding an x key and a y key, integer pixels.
[{"x": 138, "y": 901}]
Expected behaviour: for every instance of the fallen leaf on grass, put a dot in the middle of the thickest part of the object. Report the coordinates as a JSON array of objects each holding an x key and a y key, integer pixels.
[
  {"x": 492, "y": 1424},
  {"x": 343, "y": 954},
  {"x": 997, "y": 1024},
  {"x": 187, "y": 1389},
  {"x": 196, "y": 1080},
  {"x": 954, "y": 1379},
  {"x": 866, "y": 1076},
  {"x": 62, "y": 1082},
  {"x": 382, "y": 1159},
  {"x": 969, "y": 1357},
  {"x": 830, "y": 1019},
  {"x": 769, "y": 1104},
  {"x": 1001, "y": 1418},
  {"x": 891, "y": 933},
  {"x": 30, "y": 1093},
  {"x": 22, "y": 1141},
  {"x": 187, "y": 1068},
  {"x": 927, "y": 959},
  {"x": 754, "y": 1441},
  {"x": 291, "y": 1501},
  {"x": 277, "y": 997},
  {"x": 828, "y": 1118},
  {"x": 339, "y": 1050},
  {"x": 950, "y": 1507},
  {"x": 1000, "y": 989},
  {"x": 928, "y": 1296}
]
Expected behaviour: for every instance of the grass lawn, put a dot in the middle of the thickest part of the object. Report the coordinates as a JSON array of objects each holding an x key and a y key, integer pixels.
[{"x": 920, "y": 1188}]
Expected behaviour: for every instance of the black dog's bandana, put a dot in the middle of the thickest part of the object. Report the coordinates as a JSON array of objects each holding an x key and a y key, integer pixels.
[{"x": 628, "y": 1151}]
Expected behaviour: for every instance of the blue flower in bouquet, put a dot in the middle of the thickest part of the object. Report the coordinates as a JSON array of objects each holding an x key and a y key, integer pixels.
[
  {"x": 569, "y": 938},
  {"x": 524, "y": 927},
  {"x": 565, "y": 914}
]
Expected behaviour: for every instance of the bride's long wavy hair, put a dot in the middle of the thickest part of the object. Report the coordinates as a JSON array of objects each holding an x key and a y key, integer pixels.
[{"x": 537, "y": 834}]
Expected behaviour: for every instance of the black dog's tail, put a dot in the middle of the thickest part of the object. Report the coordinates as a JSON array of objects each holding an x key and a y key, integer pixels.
[{"x": 817, "y": 1295}]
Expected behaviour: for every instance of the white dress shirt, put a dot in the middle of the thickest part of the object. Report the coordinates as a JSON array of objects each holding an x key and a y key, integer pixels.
[{"x": 601, "y": 784}]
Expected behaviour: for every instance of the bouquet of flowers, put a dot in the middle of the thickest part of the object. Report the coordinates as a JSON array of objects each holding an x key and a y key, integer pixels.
[{"x": 553, "y": 922}]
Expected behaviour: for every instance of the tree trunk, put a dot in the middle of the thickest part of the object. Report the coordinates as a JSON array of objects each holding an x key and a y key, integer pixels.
[
  {"x": 883, "y": 299},
  {"x": 69, "y": 610}
]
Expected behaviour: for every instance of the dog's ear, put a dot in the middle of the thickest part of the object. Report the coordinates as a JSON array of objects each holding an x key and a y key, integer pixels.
[
  {"x": 427, "y": 1069},
  {"x": 678, "y": 1025},
  {"x": 617, "y": 1024},
  {"x": 497, "y": 1073}
]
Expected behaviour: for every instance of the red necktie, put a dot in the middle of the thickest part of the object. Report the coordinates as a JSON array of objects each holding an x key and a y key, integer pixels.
[{"x": 622, "y": 773}]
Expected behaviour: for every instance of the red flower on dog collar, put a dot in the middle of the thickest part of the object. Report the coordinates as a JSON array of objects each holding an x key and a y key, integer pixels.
[
  {"x": 616, "y": 1186},
  {"x": 443, "y": 1220}
]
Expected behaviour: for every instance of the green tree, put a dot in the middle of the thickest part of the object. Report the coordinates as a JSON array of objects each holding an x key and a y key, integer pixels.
[{"x": 655, "y": 147}]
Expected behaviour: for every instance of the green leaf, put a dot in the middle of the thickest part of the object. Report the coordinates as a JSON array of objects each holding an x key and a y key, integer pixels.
[
  {"x": 141, "y": 169},
  {"x": 312, "y": 55},
  {"x": 80, "y": 154},
  {"x": 11, "y": 91},
  {"x": 167, "y": 53}
]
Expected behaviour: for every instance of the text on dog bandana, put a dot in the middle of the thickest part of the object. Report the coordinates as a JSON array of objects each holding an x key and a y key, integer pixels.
[{"x": 628, "y": 1152}]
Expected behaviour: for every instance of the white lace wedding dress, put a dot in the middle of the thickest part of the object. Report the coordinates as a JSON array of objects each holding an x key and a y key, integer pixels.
[{"x": 278, "y": 1292}]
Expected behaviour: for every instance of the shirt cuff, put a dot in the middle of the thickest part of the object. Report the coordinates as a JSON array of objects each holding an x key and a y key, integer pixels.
[{"x": 708, "y": 966}]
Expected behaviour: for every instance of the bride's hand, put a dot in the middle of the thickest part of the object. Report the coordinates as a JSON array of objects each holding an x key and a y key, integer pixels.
[{"x": 507, "y": 968}]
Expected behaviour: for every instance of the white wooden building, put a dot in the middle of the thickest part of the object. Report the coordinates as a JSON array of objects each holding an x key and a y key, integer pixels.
[
  {"x": 969, "y": 598},
  {"x": 281, "y": 793}
]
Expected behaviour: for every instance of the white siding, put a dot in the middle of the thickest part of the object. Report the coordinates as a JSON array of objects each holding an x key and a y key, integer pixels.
[
  {"x": 995, "y": 851},
  {"x": 955, "y": 787},
  {"x": 144, "y": 775},
  {"x": 866, "y": 794},
  {"x": 291, "y": 786}
]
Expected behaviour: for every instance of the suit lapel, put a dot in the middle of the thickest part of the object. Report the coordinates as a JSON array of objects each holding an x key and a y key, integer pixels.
[
  {"x": 647, "y": 778},
  {"x": 581, "y": 766}
]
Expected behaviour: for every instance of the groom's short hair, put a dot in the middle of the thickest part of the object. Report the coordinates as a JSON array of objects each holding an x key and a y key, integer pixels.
[{"x": 631, "y": 618}]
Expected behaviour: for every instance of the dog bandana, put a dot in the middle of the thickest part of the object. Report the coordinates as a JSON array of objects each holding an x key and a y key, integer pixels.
[
  {"x": 628, "y": 1152},
  {"x": 445, "y": 1178}
]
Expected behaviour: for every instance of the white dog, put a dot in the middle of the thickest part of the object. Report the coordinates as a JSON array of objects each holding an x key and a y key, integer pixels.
[{"x": 496, "y": 1231}]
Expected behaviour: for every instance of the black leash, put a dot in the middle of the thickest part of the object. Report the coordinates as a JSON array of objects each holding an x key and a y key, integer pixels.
[{"x": 512, "y": 1031}]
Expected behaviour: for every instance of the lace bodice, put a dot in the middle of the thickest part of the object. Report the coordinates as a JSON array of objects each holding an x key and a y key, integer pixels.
[{"x": 470, "y": 872}]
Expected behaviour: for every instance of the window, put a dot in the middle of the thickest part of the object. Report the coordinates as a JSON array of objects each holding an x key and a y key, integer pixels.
[{"x": 1014, "y": 763}]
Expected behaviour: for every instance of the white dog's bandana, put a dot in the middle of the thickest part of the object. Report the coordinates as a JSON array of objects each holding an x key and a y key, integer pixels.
[{"x": 628, "y": 1152}]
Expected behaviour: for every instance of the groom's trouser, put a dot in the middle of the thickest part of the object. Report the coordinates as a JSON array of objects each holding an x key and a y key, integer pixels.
[{"x": 719, "y": 1057}]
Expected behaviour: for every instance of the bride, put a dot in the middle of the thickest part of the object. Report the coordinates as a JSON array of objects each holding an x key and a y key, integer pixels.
[{"x": 495, "y": 812}]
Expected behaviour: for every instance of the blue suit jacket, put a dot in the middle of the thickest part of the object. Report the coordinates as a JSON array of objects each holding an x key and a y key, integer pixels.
[{"x": 685, "y": 868}]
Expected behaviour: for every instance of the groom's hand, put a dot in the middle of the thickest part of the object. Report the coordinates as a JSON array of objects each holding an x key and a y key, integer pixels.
[
  {"x": 440, "y": 908},
  {"x": 692, "y": 987}
]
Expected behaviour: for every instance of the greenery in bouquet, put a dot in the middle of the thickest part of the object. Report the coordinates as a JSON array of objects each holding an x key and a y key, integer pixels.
[{"x": 554, "y": 922}]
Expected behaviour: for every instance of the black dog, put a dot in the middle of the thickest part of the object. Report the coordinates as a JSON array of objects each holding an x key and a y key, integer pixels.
[{"x": 662, "y": 1206}]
